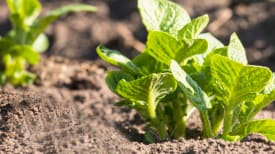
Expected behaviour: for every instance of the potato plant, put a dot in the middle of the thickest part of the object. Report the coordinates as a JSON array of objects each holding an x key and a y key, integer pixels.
[
  {"x": 182, "y": 69},
  {"x": 26, "y": 40}
]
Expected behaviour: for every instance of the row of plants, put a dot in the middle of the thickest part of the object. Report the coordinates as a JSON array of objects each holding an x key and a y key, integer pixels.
[
  {"x": 22, "y": 45},
  {"x": 182, "y": 70}
]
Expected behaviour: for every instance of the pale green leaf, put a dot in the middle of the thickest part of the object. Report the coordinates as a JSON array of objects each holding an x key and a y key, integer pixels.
[
  {"x": 236, "y": 50},
  {"x": 194, "y": 28},
  {"x": 213, "y": 42},
  {"x": 265, "y": 127},
  {"x": 258, "y": 102},
  {"x": 163, "y": 15},
  {"x": 41, "y": 44}
]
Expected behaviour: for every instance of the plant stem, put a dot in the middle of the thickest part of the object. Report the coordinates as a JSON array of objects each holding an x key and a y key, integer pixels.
[
  {"x": 179, "y": 116},
  {"x": 207, "y": 129},
  {"x": 217, "y": 126},
  {"x": 228, "y": 115},
  {"x": 154, "y": 120}
]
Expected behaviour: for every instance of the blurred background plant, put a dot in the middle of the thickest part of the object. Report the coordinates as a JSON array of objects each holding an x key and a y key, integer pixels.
[{"x": 22, "y": 44}]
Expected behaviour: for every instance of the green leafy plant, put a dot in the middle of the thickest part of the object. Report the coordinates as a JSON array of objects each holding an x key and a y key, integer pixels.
[
  {"x": 182, "y": 69},
  {"x": 23, "y": 43}
]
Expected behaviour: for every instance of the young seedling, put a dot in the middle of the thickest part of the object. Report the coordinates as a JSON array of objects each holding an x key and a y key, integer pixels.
[
  {"x": 182, "y": 69},
  {"x": 23, "y": 43}
]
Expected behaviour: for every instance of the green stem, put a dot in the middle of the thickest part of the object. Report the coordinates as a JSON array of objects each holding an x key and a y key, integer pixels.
[
  {"x": 228, "y": 115},
  {"x": 217, "y": 126},
  {"x": 155, "y": 121},
  {"x": 207, "y": 129},
  {"x": 179, "y": 116},
  {"x": 217, "y": 114}
]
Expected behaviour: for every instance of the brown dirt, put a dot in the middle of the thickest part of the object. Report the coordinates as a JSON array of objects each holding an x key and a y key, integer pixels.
[{"x": 70, "y": 109}]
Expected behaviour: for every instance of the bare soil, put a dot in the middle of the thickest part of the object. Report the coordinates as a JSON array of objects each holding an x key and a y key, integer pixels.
[{"x": 69, "y": 109}]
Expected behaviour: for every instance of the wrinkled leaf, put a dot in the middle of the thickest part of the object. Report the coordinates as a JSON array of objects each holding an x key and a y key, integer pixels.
[
  {"x": 162, "y": 46},
  {"x": 251, "y": 108},
  {"x": 163, "y": 15},
  {"x": 235, "y": 81},
  {"x": 194, "y": 28},
  {"x": 265, "y": 127},
  {"x": 148, "y": 89}
]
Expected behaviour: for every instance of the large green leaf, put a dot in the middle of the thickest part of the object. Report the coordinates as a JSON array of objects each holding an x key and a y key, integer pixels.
[
  {"x": 163, "y": 15},
  {"x": 233, "y": 81},
  {"x": 162, "y": 46},
  {"x": 258, "y": 102},
  {"x": 116, "y": 58},
  {"x": 39, "y": 26},
  {"x": 145, "y": 93},
  {"x": 191, "y": 89},
  {"x": 148, "y": 89},
  {"x": 265, "y": 127},
  {"x": 194, "y": 28}
]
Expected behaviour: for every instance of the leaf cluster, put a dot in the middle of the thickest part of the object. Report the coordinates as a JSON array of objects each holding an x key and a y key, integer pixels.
[
  {"x": 26, "y": 40},
  {"x": 182, "y": 69}
]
